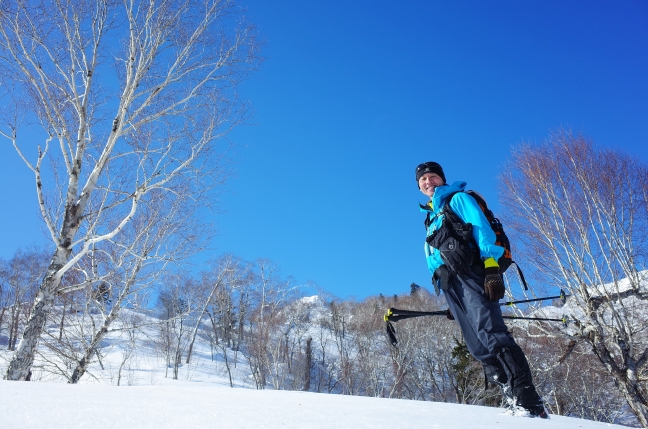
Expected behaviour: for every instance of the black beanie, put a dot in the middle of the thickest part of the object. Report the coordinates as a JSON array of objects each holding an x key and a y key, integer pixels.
[{"x": 430, "y": 167}]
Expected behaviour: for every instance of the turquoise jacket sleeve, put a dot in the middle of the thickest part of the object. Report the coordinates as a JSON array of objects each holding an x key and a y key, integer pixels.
[{"x": 469, "y": 211}]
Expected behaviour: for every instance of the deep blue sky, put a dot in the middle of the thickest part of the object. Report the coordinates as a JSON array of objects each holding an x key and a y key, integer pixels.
[{"x": 353, "y": 95}]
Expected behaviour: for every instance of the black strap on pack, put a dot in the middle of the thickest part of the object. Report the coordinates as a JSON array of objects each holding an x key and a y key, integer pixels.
[
  {"x": 428, "y": 217},
  {"x": 522, "y": 279},
  {"x": 440, "y": 279},
  {"x": 448, "y": 212}
]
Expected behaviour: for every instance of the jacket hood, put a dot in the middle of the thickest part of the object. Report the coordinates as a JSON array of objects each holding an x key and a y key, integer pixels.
[{"x": 442, "y": 192}]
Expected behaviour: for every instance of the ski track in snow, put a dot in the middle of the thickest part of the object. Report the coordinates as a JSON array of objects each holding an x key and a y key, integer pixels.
[{"x": 185, "y": 404}]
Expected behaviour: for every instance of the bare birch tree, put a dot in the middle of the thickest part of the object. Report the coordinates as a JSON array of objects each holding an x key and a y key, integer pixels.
[
  {"x": 130, "y": 97},
  {"x": 175, "y": 309},
  {"x": 223, "y": 269},
  {"x": 164, "y": 234},
  {"x": 19, "y": 278},
  {"x": 582, "y": 215},
  {"x": 266, "y": 321}
]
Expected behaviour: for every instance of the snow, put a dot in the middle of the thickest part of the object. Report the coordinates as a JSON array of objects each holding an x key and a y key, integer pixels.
[
  {"x": 202, "y": 397},
  {"x": 310, "y": 299},
  {"x": 633, "y": 307},
  {"x": 188, "y": 404}
]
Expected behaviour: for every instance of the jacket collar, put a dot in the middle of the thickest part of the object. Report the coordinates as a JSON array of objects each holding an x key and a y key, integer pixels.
[{"x": 440, "y": 195}]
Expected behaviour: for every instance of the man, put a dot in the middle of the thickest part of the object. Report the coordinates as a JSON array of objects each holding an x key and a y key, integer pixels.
[{"x": 466, "y": 269}]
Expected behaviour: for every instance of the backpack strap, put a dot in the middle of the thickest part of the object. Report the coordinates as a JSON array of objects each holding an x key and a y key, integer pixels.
[
  {"x": 428, "y": 215},
  {"x": 446, "y": 211},
  {"x": 524, "y": 283},
  {"x": 449, "y": 213}
]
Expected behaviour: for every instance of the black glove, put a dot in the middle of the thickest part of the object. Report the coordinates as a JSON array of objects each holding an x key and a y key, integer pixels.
[{"x": 493, "y": 284}]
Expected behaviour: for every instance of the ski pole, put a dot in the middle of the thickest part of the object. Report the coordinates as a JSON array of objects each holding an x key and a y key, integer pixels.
[
  {"x": 563, "y": 297},
  {"x": 394, "y": 314},
  {"x": 564, "y": 319},
  {"x": 391, "y": 333}
]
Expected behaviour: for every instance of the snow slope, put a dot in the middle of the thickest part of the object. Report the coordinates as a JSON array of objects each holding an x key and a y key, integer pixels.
[
  {"x": 183, "y": 404},
  {"x": 202, "y": 398}
]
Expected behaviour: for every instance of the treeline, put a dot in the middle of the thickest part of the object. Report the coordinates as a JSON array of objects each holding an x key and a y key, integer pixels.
[{"x": 248, "y": 315}]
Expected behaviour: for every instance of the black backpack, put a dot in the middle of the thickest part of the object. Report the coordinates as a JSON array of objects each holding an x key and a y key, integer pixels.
[{"x": 506, "y": 260}]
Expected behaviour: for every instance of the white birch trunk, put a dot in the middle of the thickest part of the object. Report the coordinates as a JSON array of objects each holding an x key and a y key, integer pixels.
[
  {"x": 23, "y": 358},
  {"x": 222, "y": 274}
]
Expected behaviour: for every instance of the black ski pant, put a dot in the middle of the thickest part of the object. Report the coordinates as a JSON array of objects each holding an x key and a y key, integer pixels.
[{"x": 487, "y": 336}]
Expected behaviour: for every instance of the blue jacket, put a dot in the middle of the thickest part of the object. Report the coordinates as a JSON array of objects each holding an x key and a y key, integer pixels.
[{"x": 469, "y": 211}]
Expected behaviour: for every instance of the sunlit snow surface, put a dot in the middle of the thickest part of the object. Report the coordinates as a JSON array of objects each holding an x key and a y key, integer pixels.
[
  {"x": 202, "y": 398},
  {"x": 185, "y": 404}
]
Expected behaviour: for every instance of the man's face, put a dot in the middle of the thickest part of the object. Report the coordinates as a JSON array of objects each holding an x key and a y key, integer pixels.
[{"x": 429, "y": 182}]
